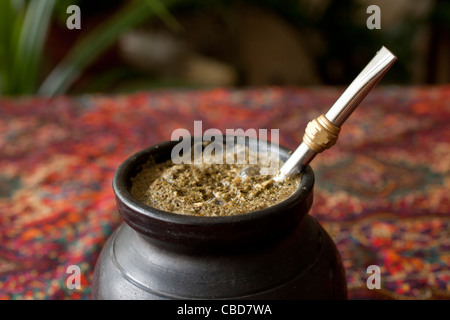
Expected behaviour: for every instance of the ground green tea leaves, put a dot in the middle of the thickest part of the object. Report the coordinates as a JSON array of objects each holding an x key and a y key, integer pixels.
[{"x": 208, "y": 189}]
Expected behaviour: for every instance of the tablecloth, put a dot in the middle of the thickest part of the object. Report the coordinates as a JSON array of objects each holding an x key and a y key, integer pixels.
[{"x": 382, "y": 192}]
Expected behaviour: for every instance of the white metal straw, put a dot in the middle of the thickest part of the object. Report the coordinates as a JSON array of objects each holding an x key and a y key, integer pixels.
[{"x": 342, "y": 108}]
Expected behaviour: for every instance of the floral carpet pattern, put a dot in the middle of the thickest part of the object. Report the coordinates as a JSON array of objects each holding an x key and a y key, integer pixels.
[{"x": 382, "y": 192}]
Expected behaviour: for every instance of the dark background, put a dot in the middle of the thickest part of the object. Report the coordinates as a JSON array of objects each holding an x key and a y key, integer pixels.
[{"x": 200, "y": 43}]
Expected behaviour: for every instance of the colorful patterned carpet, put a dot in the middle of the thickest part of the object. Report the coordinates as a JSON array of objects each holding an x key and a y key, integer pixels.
[{"x": 382, "y": 192}]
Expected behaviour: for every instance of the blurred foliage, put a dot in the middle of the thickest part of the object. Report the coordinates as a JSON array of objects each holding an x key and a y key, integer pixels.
[
  {"x": 25, "y": 25},
  {"x": 23, "y": 30}
]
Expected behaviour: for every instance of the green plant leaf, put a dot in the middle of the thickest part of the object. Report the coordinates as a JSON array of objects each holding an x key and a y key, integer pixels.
[
  {"x": 164, "y": 14},
  {"x": 28, "y": 54},
  {"x": 11, "y": 14}
]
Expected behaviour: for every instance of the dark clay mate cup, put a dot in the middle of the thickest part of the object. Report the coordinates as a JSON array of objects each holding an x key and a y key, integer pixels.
[{"x": 280, "y": 252}]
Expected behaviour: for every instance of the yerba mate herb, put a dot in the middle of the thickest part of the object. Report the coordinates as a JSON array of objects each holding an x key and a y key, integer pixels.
[{"x": 208, "y": 189}]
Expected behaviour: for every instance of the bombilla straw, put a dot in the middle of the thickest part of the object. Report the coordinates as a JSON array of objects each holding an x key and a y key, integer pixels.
[{"x": 322, "y": 133}]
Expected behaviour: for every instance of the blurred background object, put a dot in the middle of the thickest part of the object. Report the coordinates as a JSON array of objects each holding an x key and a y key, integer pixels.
[{"x": 144, "y": 44}]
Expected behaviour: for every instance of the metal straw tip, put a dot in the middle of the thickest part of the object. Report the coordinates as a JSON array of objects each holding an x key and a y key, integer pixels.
[{"x": 344, "y": 106}]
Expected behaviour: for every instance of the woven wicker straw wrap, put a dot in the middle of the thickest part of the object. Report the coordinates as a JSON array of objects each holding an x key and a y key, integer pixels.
[{"x": 321, "y": 134}]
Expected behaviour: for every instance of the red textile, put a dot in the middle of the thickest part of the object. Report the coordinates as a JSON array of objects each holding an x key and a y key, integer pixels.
[{"x": 382, "y": 192}]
